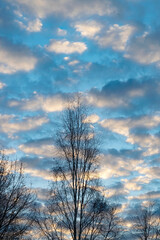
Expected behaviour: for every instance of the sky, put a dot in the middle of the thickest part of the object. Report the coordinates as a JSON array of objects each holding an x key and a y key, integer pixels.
[{"x": 109, "y": 51}]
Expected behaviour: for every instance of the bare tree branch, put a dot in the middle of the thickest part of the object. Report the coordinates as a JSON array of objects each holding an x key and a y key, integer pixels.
[{"x": 15, "y": 201}]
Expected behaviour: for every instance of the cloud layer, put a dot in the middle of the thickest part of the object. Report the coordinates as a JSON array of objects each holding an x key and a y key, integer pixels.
[
  {"x": 66, "y": 47},
  {"x": 109, "y": 51},
  {"x": 68, "y": 8},
  {"x": 14, "y": 58}
]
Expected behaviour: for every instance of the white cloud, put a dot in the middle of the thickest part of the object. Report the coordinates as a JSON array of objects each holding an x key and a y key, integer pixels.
[
  {"x": 149, "y": 142},
  {"x": 116, "y": 37},
  {"x": 61, "y": 32},
  {"x": 31, "y": 26},
  {"x": 74, "y": 62},
  {"x": 45, "y": 174},
  {"x": 150, "y": 172},
  {"x": 66, "y": 47},
  {"x": 66, "y": 58},
  {"x": 123, "y": 126},
  {"x": 149, "y": 195},
  {"x": 9, "y": 124},
  {"x": 119, "y": 126},
  {"x": 144, "y": 49},
  {"x": 111, "y": 101},
  {"x": 132, "y": 185},
  {"x": 34, "y": 26},
  {"x": 48, "y": 104},
  {"x": 15, "y": 58},
  {"x": 67, "y": 8},
  {"x": 92, "y": 118},
  {"x": 42, "y": 149},
  {"x": 88, "y": 28},
  {"x": 8, "y": 151},
  {"x": 18, "y": 13},
  {"x": 2, "y": 85},
  {"x": 117, "y": 166}
]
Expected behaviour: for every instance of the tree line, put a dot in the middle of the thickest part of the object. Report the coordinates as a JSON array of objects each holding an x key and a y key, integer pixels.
[{"x": 76, "y": 208}]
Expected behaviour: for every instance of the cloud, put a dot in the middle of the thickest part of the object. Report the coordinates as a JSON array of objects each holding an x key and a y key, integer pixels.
[
  {"x": 115, "y": 166},
  {"x": 92, "y": 118},
  {"x": 126, "y": 153},
  {"x": 132, "y": 96},
  {"x": 31, "y": 26},
  {"x": 131, "y": 129},
  {"x": 10, "y": 125},
  {"x": 141, "y": 180},
  {"x": 34, "y": 26},
  {"x": 38, "y": 167},
  {"x": 66, "y": 47},
  {"x": 115, "y": 193},
  {"x": 116, "y": 94},
  {"x": 45, "y": 174},
  {"x": 149, "y": 195},
  {"x": 124, "y": 125},
  {"x": 74, "y": 62},
  {"x": 144, "y": 49},
  {"x": 116, "y": 37},
  {"x": 8, "y": 151},
  {"x": 67, "y": 8},
  {"x": 132, "y": 184},
  {"x": 88, "y": 28},
  {"x": 42, "y": 193},
  {"x": 39, "y": 149},
  {"x": 2, "y": 85},
  {"x": 53, "y": 103},
  {"x": 95, "y": 98},
  {"x": 150, "y": 172},
  {"x": 66, "y": 58},
  {"x": 61, "y": 32},
  {"x": 14, "y": 58},
  {"x": 38, "y": 160},
  {"x": 149, "y": 142}
]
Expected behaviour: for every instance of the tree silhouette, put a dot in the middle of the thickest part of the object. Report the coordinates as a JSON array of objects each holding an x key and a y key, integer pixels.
[
  {"x": 76, "y": 208},
  {"x": 111, "y": 224},
  {"x": 15, "y": 201},
  {"x": 146, "y": 222},
  {"x": 75, "y": 187}
]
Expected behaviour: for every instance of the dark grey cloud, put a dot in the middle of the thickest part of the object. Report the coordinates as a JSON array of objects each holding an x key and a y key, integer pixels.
[
  {"x": 15, "y": 57},
  {"x": 131, "y": 97},
  {"x": 37, "y": 163},
  {"x": 145, "y": 49},
  {"x": 126, "y": 153}
]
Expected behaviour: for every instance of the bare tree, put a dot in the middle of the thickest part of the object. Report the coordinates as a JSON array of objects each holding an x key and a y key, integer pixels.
[
  {"x": 15, "y": 201},
  {"x": 46, "y": 223},
  {"x": 105, "y": 222},
  {"x": 146, "y": 223},
  {"x": 75, "y": 190},
  {"x": 111, "y": 225},
  {"x": 102, "y": 223}
]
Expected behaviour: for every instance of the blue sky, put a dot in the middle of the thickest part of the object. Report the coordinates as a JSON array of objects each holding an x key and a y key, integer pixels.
[{"x": 107, "y": 50}]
